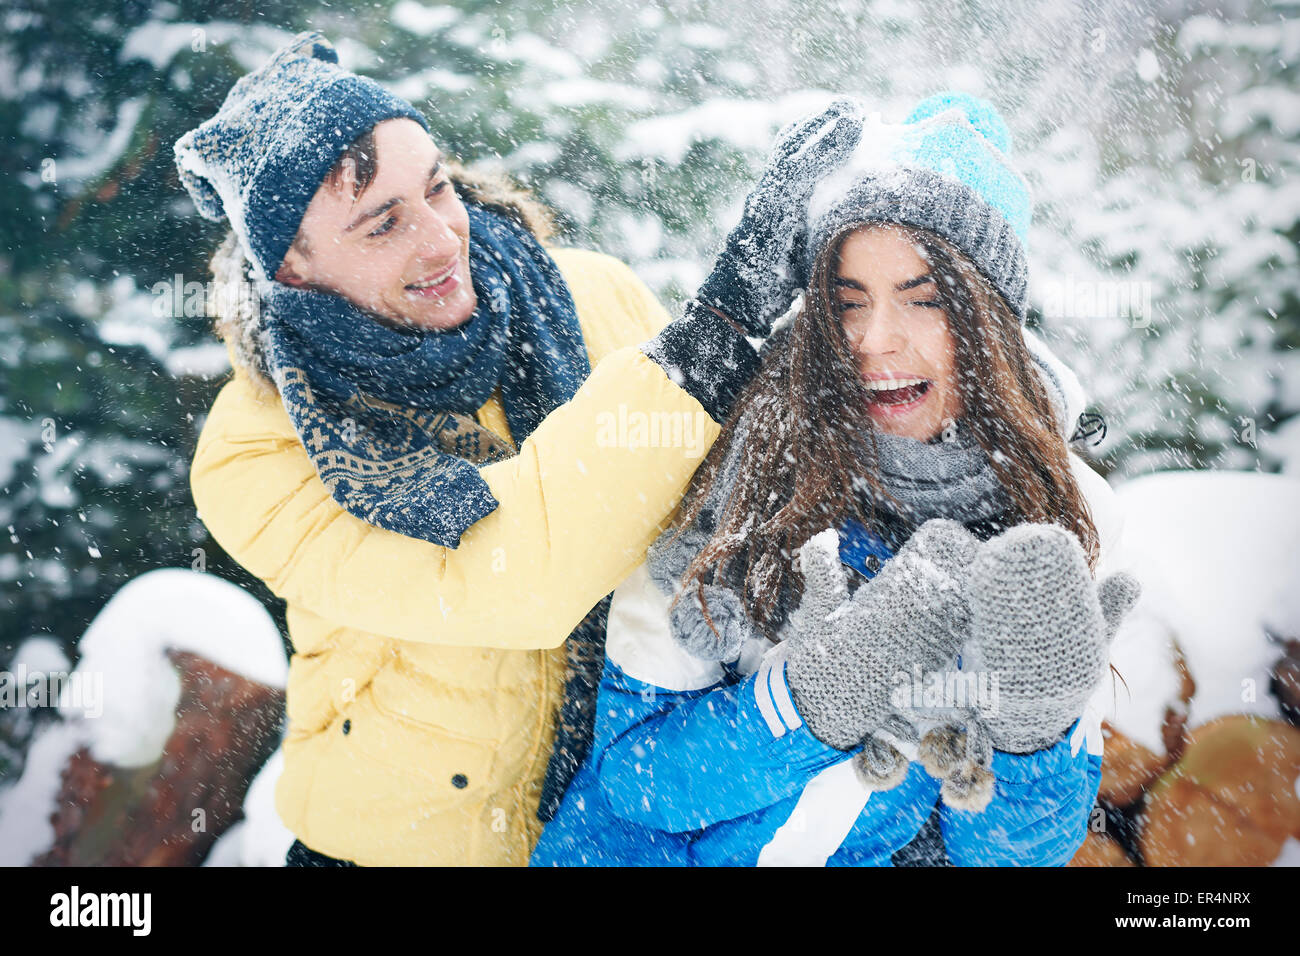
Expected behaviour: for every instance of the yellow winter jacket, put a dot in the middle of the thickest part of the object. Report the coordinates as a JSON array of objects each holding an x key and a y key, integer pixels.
[{"x": 424, "y": 680}]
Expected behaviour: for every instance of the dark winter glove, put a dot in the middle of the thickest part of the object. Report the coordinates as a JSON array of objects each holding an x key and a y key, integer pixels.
[
  {"x": 754, "y": 278},
  {"x": 1042, "y": 627},
  {"x": 846, "y": 654}
]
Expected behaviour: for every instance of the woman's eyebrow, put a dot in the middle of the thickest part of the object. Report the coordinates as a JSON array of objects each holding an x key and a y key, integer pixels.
[
  {"x": 913, "y": 283},
  {"x": 901, "y": 287}
]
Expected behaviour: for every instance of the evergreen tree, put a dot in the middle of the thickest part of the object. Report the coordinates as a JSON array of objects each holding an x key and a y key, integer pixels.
[{"x": 1160, "y": 140}]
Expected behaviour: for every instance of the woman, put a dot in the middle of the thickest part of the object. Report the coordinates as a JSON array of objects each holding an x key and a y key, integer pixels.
[{"x": 905, "y": 408}]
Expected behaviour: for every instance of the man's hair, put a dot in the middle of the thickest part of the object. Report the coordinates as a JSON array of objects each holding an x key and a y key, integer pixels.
[
  {"x": 242, "y": 328},
  {"x": 362, "y": 156}
]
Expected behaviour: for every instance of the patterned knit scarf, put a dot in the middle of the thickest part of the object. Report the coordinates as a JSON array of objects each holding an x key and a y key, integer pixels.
[{"x": 387, "y": 415}]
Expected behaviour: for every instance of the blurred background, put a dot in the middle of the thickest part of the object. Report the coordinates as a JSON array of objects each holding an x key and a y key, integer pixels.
[{"x": 1162, "y": 144}]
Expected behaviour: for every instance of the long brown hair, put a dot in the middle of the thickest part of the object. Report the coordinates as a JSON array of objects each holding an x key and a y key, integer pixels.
[{"x": 804, "y": 465}]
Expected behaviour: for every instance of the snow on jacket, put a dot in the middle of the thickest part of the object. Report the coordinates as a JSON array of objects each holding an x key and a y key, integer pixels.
[
  {"x": 702, "y": 764},
  {"x": 424, "y": 681}
]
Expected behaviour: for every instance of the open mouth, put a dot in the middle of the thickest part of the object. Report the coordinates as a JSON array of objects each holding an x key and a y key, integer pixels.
[
  {"x": 897, "y": 393},
  {"x": 439, "y": 285}
]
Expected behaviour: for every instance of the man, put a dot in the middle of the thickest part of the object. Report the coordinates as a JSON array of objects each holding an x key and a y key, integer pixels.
[{"x": 414, "y": 451}]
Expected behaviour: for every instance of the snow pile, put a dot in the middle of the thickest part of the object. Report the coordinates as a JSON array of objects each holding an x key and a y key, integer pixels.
[
  {"x": 25, "y": 808},
  {"x": 127, "y": 644},
  {"x": 260, "y": 839},
  {"x": 124, "y": 651},
  {"x": 1218, "y": 554},
  {"x": 39, "y": 654}
]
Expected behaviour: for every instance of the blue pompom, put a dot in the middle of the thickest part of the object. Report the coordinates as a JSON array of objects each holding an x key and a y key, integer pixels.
[{"x": 982, "y": 115}]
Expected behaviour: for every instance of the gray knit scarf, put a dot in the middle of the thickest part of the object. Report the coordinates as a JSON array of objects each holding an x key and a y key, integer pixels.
[{"x": 948, "y": 477}]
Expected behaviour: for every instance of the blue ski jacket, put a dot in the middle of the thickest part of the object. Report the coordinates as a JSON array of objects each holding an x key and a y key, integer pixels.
[{"x": 697, "y": 763}]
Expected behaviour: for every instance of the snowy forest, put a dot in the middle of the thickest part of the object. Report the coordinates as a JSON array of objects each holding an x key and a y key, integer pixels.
[{"x": 1160, "y": 140}]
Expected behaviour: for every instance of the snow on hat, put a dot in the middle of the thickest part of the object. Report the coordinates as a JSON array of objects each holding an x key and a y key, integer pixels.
[
  {"x": 945, "y": 169},
  {"x": 260, "y": 159}
]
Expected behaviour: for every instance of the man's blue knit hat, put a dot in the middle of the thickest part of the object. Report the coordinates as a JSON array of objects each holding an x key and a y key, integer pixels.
[
  {"x": 945, "y": 169},
  {"x": 259, "y": 161}
]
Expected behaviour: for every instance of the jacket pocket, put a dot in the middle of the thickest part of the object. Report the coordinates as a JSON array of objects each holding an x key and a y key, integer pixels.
[
  {"x": 447, "y": 768},
  {"x": 496, "y": 699}
]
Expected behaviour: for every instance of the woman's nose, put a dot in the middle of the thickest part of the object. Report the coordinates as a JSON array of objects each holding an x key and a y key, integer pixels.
[{"x": 879, "y": 333}]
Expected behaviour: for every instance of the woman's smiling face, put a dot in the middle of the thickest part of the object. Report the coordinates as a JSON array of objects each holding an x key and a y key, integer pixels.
[{"x": 893, "y": 321}]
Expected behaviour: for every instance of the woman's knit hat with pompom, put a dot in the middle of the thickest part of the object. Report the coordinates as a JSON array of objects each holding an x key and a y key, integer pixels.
[{"x": 947, "y": 169}]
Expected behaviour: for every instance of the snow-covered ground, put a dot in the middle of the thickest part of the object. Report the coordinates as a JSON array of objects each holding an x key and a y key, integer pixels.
[{"x": 1218, "y": 554}]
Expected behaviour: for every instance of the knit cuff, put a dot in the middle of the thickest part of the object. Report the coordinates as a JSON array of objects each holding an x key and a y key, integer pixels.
[
  {"x": 706, "y": 356},
  {"x": 1030, "y": 739}
]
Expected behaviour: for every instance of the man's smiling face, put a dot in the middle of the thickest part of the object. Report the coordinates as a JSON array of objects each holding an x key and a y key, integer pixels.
[{"x": 399, "y": 247}]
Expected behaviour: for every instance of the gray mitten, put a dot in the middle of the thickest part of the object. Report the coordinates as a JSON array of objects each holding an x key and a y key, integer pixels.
[
  {"x": 716, "y": 635},
  {"x": 722, "y": 634},
  {"x": 1042, "y": 628},
  {"x": 846, "y": 654},
  {"x": 754, "y": 278}
]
